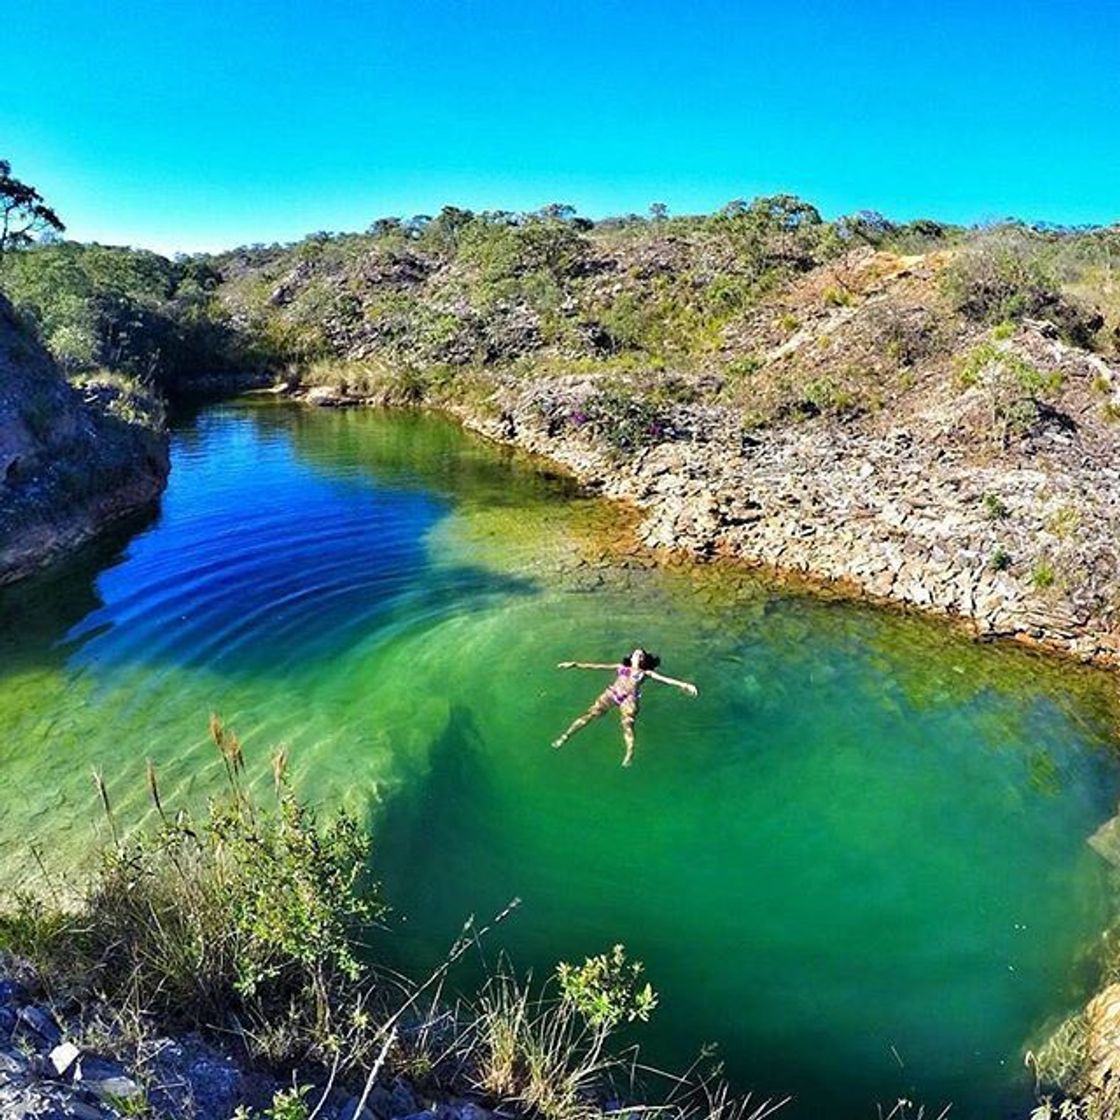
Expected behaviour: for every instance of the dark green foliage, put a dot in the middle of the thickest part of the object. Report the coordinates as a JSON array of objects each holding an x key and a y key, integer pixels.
[
  {"x": 1000, "y": 560},
  {"x": 502, "y": 251},
  {"x": 994, "y": 508},
  {"x": 497, "y": 288},
  {"x": 920, "y": 236},
  {"x": 775, "y": 233},
  {"x": 252, "y": 913},
  {"x": 23, "y": 212},
  {"x": 126, "y": 310},
  {"x": 865, "y": 226},
  {"x": 823, "y": 394}
]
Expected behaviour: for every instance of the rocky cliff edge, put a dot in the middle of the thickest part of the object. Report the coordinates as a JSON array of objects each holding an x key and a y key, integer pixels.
[{"x": 73, "y": 460}]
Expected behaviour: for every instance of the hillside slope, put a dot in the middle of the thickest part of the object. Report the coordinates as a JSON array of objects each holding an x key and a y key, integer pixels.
[{"x": 935, "y": 427}]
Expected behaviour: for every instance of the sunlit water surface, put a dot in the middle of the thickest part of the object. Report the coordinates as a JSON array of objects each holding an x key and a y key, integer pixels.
[{"x": 857, "y": 862}]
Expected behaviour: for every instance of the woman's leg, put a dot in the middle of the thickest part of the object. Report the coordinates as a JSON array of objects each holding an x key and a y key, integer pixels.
[
  {"x": 628, "y": 712},
  {"x": 597, "y": 709}
]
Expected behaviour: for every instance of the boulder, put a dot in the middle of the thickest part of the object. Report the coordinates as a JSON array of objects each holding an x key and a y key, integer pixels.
[
  {"x": 63, "y": 1057},
  {"x": 119, "y": 1088},
  {"x": 40, "y": 1024}
]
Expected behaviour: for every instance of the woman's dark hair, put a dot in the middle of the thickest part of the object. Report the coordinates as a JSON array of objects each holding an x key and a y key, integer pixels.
[{"x": 646, "y": 661}]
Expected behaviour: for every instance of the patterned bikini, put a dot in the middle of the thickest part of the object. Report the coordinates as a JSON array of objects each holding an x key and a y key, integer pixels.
[{"x": 620, "y": 696}]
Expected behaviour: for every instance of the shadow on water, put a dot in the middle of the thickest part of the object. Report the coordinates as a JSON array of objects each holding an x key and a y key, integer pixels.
[
  {"x": 37, "y": 613},
  {"x": 451, "y": 827},
  {"x": 420, "y": 835},
  {"x": 415, "y": 451}
]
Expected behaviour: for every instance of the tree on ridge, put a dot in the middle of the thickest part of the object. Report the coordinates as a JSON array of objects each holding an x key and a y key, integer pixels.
[{"x": 23, "y": 211}]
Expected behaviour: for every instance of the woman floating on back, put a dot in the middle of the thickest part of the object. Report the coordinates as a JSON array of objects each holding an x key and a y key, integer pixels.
[{"x": 625, "y": 693}]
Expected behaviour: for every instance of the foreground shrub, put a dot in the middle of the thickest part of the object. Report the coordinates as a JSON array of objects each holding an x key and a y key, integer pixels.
[
  {"x": 248, "y": 921},
  {"x": 250, "y": 917},
  {"x": 554, "y": 1052}
]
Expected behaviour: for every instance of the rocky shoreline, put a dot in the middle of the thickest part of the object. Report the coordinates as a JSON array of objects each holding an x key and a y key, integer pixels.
[
  {"x": 56, "y": 536},
  {"x": 1016, "y": 542},
  {"x": 89, "y": 1067}
]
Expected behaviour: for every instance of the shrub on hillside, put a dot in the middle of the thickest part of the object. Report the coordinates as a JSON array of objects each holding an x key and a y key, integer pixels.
[
  {"x": 1010, "y": 274},
  {"x": 625, "y": 419},
  {"x": 1012, "y": 388}
]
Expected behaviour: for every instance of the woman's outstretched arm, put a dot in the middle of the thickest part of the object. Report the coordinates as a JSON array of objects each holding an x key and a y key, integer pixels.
[
  {"x": 684, "y": 686},
  {"x": 584, "y": 665}
]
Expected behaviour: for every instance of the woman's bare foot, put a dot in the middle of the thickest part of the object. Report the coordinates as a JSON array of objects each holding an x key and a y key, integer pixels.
[
  {"x": 558, "y": 743},
  {"x": 627, "y": 758}
]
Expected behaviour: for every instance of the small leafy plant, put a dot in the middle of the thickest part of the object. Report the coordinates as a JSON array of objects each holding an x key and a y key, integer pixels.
[
  {"x": 994, "y": 508},
  {"x": 1043, "y": 576},
  {"x": 1012, "y": 387},
  {"x": 1000, "y": 560},
  {"x": 607, "y": 989}
]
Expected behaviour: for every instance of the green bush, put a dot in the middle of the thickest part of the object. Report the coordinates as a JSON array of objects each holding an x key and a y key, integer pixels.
[
  {"x": 502, "y": 251},
  {"x": 999, "y": 277},
  {"x": 251, "y": 915},
  {"x": 1012, "y": 273},
  {"x": 1011, "y": 386},
  {"x": 772, "y": 236},
  {"x": 607, "y": 989},
  {"x": 626, "y": 420},
  {"x": 994, "y": 508},
  {"x": 825, "y": 395},
  {"x": 126, "y": 310},
  {"x": 837, "y": 297},
  {"x": 1000, "y": 560},
  {"x": 1043, "y": 575}
]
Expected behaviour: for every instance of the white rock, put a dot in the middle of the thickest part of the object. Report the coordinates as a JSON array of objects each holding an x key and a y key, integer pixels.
[{"x": 63, "y": 1057}]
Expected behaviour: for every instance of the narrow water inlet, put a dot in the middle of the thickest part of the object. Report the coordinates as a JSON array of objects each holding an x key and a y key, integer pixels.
[{"x": 857, "y": 862}]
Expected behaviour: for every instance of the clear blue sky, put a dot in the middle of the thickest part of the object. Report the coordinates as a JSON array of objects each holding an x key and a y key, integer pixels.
[{"x": 205, "y": 124}]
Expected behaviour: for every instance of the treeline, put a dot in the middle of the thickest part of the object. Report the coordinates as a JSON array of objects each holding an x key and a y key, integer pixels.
[
  {"x": 487, "y": 289},
  {"x": 490, "y": 288},
  {"x": 129, "y": 311}
]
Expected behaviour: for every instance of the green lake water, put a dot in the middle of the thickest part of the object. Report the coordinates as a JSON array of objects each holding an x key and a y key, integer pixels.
[{"x": 857, "y": 863}]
